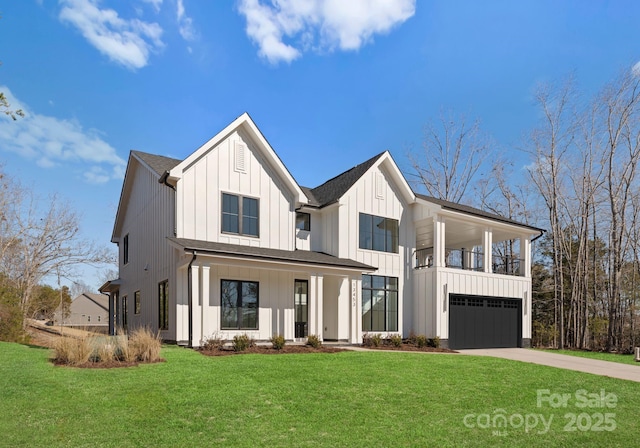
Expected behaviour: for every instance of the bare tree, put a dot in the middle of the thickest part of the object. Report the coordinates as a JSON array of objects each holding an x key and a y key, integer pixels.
[
  {"x": 453, "y": 152},
  {"x": 40, "y": 239}
]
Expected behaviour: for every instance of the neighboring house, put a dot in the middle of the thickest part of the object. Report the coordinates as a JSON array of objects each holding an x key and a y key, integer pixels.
[
  {"x": 87, "y": 310},
  {"x": 226, "y": 242}
]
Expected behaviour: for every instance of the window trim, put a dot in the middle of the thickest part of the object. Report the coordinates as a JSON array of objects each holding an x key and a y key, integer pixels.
[
  {"x": 306, "y": 222},
  {"x": 239, "y": 299},
  {"x": 136, "y": 302},
  {"x": 163, "y": 312},
  {"x": 240, "y": 215},
  {"x": 390, "y": 246},
  {"x": 387, "y": 290}
]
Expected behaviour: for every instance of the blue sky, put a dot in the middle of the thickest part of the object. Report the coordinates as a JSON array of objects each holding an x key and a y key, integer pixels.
[{"x": 330, "y": 83}]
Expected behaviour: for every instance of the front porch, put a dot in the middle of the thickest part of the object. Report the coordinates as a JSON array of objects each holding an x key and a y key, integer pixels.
[{"x": 223, "y": 295}]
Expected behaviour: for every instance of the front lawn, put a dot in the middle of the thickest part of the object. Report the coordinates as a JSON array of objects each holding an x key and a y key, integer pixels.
[
  {"x": 613, "y": 357},
  {"x": 333, "y": 399}
]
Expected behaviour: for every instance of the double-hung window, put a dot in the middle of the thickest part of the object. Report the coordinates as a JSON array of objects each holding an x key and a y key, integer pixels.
[
  {"x": 378, "y": 233},
  {"x": 239, "y": 305},
  {"x": 379, "y": 303},
  {"x": 240, "y": 215}
]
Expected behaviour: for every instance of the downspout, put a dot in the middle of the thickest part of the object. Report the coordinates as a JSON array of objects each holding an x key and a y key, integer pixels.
[
  {"x": 190, "y": 298},
  {"x": 163, "y": 180},
  {"x": 542, "y": 232}
]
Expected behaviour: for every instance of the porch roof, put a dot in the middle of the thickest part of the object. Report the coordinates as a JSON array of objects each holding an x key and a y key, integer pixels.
[{"x": 290, "y": 256}]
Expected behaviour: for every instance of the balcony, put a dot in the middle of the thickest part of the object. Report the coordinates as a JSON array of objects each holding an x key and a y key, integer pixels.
[{"x": 470, "y": 260}]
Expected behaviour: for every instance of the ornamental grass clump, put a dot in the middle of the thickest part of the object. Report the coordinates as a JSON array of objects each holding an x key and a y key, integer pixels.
[
  {"x": 73, "y": 351},
  {"x": 145, "y": 345}
]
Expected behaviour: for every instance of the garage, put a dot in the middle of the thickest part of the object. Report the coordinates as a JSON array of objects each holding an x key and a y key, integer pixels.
[{"x": 484, "y": 322}]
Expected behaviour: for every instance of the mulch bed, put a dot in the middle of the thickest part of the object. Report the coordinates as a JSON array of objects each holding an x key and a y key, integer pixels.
[
  {"x": 269, "y": 350},
  {"x": 287, "y": 349},
  {"x": 105, "y": 365},
  {"x": 412, "y": 348}
]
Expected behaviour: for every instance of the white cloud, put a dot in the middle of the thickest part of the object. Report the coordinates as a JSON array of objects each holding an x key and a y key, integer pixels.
[
  {"x": 636, "y": 69},
  {"x": 127, "y": 42},
  {"x": 185, "y": 23},
  {"x": 51, "y": 142},
  {"x": 321, "y": 25},
  {"x": 155, "y": 3}
]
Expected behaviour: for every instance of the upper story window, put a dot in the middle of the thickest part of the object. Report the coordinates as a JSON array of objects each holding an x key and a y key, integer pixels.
[
  {"x": 240, "y": 215},
  {"x": 303, "y": 221},
  {"x": 125, "y": 249},
  {"x": 378, "y": 233}
]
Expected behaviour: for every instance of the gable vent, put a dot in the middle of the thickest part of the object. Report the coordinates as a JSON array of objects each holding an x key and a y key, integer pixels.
[
  {"x": 379, "y": 186},
  {"x": 240, "y": 158}
]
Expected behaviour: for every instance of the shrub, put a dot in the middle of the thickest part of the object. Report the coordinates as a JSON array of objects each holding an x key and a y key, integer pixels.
[
  {"x": 72, "y": 351},
  {"x": 434, "y": 342},
  {"x": 241, "y": 342},
  {"x": 371, "y": 340},
  {"x": 278, "y": 342},
  {"x": 395, "y": 340},
  {"x": 314, "y": 341},
  {"x": 421, "y": 341},
  {"x": 145, "y": 345},
  {"x": 213, "y": 342}
]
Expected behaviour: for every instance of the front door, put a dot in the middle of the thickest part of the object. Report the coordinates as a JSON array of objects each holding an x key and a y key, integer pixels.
[{"x": 300, "y": 296}]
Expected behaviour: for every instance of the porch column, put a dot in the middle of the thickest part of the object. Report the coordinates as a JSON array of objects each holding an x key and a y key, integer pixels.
[
  {"x": 320, "y": 306},
  {"x": 316, "y": 305},
  {"x": 487, "y": 244},
  {"x": 196, "y": 306},
  {"x": 525, "y": 254},
  {"x": 356, "y": 310},
  {"x": 439, "y": 242},
  {"x": 207, "y": 320}
]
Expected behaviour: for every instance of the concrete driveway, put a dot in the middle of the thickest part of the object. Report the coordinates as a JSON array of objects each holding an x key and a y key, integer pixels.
[{"x": 595, "y": 366}]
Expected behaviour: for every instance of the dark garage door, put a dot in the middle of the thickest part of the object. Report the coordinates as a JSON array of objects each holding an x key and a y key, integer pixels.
[{"x": 484, "y": 322}]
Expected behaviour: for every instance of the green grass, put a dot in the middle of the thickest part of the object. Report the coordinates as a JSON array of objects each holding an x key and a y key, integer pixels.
[
  {"x": 613, "y": 357},
  {"x": 343, "y": 399}
]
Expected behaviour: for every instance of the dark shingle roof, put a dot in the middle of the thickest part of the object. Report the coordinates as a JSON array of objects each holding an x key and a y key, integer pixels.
[
  {"x": 448, "y": 205},
  {"x": 159, "y": 164},
  {"x": 295, "y": 256},
  {"x": 333, "y": 189}
]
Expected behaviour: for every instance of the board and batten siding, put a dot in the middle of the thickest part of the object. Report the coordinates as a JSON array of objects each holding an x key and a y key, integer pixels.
[
  {"x": 148, "y": 220},
  {"x": 200, "y": 196},
  {"x": 375, "y": 194},
  {"x": 433, "y": 286}
]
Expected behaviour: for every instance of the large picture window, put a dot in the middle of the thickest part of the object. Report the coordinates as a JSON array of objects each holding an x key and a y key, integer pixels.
[
  {"x": 378, "y": 233},
  {"x": 163, "y": 305},
  {"x": 239, "y": 305},
  {"x": 240, "y": 215},
  {"x": 379, "y": 303}
]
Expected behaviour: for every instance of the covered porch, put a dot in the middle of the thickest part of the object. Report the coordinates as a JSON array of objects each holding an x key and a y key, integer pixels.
[{"x": 225, "y": 290}]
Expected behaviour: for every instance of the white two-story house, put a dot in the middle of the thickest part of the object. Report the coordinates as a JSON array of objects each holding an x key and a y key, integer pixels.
[{"x": 226, "y": 242}]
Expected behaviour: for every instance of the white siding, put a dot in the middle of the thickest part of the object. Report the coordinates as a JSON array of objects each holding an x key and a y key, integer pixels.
[
  {"x": 148, "y": 220},
  {"x": 200, "y": 193},
  {"x": 430, "y": 302}
]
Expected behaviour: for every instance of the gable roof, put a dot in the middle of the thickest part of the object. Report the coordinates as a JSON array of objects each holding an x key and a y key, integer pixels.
[
  {"x": 245, "y": 123},
  {"x": 467, "y": 209},
  {"x": 159, "y": 164},
  {"x": 333, "y": 189},
  {"x": 99, "y": 299}
]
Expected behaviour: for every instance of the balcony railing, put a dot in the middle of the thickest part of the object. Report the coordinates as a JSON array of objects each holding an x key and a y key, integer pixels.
[
  {"x": 469, "y": 261},
  {"x": 507, "y": 265}
]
